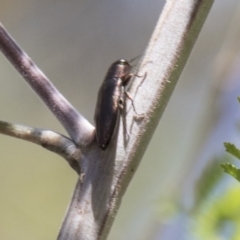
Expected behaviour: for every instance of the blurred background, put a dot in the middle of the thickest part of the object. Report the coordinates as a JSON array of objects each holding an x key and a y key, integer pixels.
[{"x": 179, "y": 190}]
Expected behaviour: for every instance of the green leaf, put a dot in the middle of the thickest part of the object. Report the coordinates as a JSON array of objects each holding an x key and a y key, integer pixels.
[
  {"x": 232, "y": 170},
  {"x": 239, "y": 99},
  {"x": 230, "y": 148}
]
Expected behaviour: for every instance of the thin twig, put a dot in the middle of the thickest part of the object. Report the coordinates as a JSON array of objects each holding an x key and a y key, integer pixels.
[
  {"x": 79, "y": 129},
  {"x": 50, "y": 140}
]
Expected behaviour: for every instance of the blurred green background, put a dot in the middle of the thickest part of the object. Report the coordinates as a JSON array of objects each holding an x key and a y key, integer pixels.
[{"x": 179, "y": 183}]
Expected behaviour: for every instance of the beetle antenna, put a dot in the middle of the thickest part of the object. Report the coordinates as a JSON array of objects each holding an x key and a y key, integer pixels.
[{"x": 133, "y": 59}]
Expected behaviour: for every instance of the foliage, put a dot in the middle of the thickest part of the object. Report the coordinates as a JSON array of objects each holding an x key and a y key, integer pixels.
[
  {"x": 218, "y": 216},
  {"x": 228, "y": 167}
]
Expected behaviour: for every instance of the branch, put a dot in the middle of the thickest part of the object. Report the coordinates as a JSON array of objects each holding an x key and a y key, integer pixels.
[
  {"x": 50, "y": 140},
  {"x": 79, "y": 129},
  {"x": 107, "y": 173}
]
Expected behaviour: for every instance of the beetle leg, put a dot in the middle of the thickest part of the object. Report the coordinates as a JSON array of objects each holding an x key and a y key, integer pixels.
[
  {"x": 122, "y": 108},
  {"x": 130, "y": 98}
]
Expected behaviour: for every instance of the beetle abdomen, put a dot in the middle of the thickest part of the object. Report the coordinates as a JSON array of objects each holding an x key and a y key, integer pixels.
[{"x": 107, "y": 110}]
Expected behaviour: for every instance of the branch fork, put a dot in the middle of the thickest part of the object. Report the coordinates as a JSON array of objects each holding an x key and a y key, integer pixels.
[{"x": 105, "y": 175}]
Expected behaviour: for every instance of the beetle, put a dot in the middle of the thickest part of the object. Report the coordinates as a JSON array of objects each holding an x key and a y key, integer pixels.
[{"x": 110, "y": 101}]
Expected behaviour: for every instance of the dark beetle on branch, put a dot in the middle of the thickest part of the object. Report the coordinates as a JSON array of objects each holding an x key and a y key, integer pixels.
[{"x": 110, "y": 100}]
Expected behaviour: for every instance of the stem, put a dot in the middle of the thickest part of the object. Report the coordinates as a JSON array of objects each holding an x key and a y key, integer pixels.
[
  {"x": 79, "y": 129},
  {"x": 50, "y": 140},
  {"x": 107, "y": 173}
]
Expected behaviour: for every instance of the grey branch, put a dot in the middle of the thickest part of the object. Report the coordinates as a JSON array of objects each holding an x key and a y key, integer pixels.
[
  {"x": 79, "y": 129},
  {"x": 106, "y": 174},
  {"x": 50, "y": 140}
]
